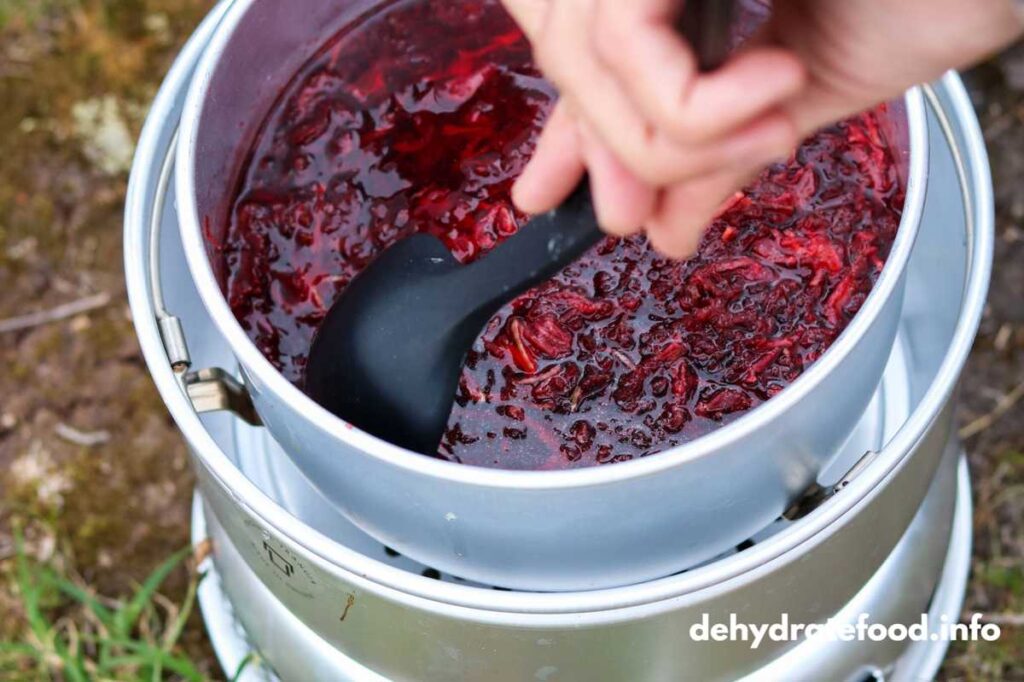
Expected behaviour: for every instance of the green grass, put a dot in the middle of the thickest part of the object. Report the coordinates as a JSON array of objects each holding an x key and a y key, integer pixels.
[{"x": 76, "y": 635}]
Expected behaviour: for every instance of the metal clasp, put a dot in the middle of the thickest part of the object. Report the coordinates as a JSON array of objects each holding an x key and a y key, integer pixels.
[{"x": 213, "y": 390}]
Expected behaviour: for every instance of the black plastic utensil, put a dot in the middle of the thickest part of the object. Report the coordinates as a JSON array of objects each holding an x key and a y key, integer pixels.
[{"x": 389, "y": 353}]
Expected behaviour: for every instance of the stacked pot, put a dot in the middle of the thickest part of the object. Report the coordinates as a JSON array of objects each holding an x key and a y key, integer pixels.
[{"x": 301, "y": 507}]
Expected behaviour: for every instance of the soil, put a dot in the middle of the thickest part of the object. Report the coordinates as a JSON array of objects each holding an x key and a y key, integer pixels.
[
  {"x": 991, "y": 409},
  {"x": 89, "y": 459}
]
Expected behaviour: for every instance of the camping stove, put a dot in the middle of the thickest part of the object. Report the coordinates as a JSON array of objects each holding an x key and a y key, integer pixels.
[
  {"x": 894, "y": 594},
  {"x": 885, "y": 533}
]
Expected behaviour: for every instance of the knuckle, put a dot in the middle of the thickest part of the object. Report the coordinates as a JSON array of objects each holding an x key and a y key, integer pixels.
[
  {"x": 640, "y": 158},
  {"x": 640, "y": 166}
]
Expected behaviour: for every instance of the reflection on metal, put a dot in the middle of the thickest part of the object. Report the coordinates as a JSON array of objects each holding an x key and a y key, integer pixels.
[
  {"x": 171, "y": 332},
  {"x": 811, "y": 499},
  {"x": 816, "y": 495},
  {"x": 173, "y": 337},
  {"x": 214, "y": 390}
]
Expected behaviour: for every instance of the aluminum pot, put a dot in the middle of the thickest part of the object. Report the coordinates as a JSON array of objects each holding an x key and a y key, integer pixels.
[
  {"x": 563, "y": 530},
  {"x": 404, "y": 626}
]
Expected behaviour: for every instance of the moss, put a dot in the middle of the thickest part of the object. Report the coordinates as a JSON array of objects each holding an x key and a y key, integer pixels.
[
  {"x": 19, "y": 371},
  {"x": 1004, "y": 577}
]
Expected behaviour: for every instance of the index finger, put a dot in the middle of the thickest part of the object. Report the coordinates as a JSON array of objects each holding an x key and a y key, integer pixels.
[{"x": 637, "y": 42}]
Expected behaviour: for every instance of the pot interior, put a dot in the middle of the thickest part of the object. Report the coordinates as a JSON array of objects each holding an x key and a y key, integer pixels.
[{"x": 948, "y": 262}]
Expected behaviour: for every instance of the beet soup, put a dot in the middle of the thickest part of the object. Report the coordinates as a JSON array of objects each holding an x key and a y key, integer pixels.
[{"x": 417, "y": 118}]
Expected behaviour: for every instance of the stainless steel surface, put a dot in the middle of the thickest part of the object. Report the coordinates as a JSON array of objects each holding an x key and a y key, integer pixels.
[
  {"x": 897, "y": 593},
  {"x": 931, "y": 558},
  {"x": 922, "y": 660},
  {"x": 171, "y": 332},
  {"x": 403, "y": 623},
  {"x": 565, "y": 530},
  {"x": 214, "y": 390},
  {"x": 263, "y": 462}
]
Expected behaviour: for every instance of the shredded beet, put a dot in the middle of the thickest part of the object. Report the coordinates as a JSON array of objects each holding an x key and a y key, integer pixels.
[{"x": 418, "y": 118}]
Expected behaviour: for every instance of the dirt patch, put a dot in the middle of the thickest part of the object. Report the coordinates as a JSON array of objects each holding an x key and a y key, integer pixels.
[
  {"x": 992, "y": 409},
  {"x": 89, "y": 458}
]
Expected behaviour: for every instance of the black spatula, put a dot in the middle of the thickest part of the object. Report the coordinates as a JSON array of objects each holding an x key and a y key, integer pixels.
[{"x": 388, "y": 356}]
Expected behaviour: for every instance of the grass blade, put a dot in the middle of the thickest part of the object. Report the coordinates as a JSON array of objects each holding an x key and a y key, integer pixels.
[
  {"x": 148, "y": 655},
  {"x": 77, "y": 593},
  {"x": 251, "y": 659},
  {"x": 91, "y": 641},
  {"x": 30, "y": 587},
  {"x": 126, "y": 617}
]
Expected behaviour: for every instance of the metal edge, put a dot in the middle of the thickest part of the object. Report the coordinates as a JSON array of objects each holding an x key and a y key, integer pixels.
[
  {"x": 227, "y": 637},
  {"x": 924, "y": 659}
]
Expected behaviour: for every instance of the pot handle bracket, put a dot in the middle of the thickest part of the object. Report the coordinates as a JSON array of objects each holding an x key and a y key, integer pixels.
[
  {"x": 211, "y": 389},
  {"x": 816, "y": 494}
]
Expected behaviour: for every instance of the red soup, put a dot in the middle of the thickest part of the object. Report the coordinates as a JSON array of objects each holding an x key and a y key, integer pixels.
[{"x": 417, "y": 118}]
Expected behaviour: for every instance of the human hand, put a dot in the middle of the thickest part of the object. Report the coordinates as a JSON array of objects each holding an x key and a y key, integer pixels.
[{"x": 664, "y": 145}]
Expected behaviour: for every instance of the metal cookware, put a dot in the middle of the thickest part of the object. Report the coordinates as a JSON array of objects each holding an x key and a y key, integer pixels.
[
  {"x": 565, "y": 530},
  {"x": 321, "y": 600}
]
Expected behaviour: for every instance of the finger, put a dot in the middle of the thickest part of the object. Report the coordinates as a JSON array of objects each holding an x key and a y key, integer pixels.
[
  {"x": 563, "y": 52},
  {"x": 529, "y": 14},
  {"x": 621, "y": 201},
  {"x": 757, "y": 143},
  {"x": 636, "y": 42},
  {"x": 686, "y": 210},
  {"x": 556, "y": 167},
  {"x": 748, "y": 85},
  {"x": 565, "y": 56}
]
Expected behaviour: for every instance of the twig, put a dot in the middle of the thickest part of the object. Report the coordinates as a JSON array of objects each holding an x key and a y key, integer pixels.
[
  {"x": 1013, "y": 620},
  {"x": 61, "y": 312},
  {"x": 1003, "y": 337},
  {"x": 84, "y": 438},
  {"x": 986, "y": 420},
  {"x": 201, "y": 551}
]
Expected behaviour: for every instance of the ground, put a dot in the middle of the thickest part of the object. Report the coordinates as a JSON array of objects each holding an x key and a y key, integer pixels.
[{"x": 91, "y": 466}]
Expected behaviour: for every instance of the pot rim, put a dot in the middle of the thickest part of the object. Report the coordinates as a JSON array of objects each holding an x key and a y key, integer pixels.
[{"x": 254, "y": 362}]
